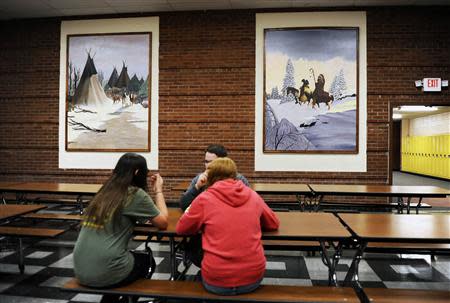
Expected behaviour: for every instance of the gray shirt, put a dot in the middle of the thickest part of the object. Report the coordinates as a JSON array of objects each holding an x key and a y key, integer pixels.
[{"x": 191, "y": 193}]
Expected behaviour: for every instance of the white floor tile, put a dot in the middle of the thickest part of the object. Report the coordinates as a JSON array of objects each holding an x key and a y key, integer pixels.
[
  {"x": 275, "y": 265},
  {"x": 55, "y": 281},
  {"x": 39, "y": 254},
  {"x": 4, "y": 286},
  {"x": 285, "y": 281},
  {"x": 14, "y": 269},
  {"x": 20, "y": 299},
  {"x": 418, "y": 285},
  {"x": 66, "y": 262},
  {"x": 86, "y": 298}
]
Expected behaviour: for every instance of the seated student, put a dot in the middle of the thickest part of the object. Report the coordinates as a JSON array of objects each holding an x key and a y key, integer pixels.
[
  {"x": 194, "y": 247},
  {"x": 230, "y": 216},
  {"x": 197, "y": 185},
  {"x": 101, "y": 256}
]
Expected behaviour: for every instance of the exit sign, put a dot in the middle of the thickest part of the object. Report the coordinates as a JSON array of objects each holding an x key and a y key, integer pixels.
[{"x": 431, "y": 84}]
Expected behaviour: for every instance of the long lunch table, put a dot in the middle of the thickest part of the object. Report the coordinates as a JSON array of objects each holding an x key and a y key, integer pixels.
[
  {"x": 4, "y": 186},
  {"x": 9, "y": 211},
  {"x": 322, "y": 227},
  {"x": 396, "y": 228},
  {"x": 400, "y": 191},
  {"x": 301, "y": 191},
  {"x": 310, "y": 196},
  {"x": 23, "y": 188}
]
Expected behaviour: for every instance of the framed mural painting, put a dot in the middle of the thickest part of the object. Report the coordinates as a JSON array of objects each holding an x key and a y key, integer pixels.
[
  {"x": 108, "y": 97},
  {"x": 311, "y": 90}
]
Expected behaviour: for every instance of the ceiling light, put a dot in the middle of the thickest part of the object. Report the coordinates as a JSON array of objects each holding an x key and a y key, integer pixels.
[{"x": 414, "y": 108}]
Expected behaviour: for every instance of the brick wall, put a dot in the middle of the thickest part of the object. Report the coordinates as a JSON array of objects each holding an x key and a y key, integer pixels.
[{"x": 207, "y": 80}]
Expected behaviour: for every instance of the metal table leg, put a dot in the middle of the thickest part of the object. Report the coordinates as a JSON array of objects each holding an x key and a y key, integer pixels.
[
  {"x": 352, "y": 276},
  {"x": 331, "y": 263},
  {"x": 173, "y": 262},
  {"x": 309, "y": 203}
]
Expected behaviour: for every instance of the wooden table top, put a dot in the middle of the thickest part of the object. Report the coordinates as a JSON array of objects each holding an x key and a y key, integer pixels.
[
  {"x": 308, "y": 226},
  {"x": 181, "y": 186},
  {"x": 380, "y": 190},
  {"x": 6, "y": 185},
  {"x": 13, "y": 210},
  {"x": 400, "y": 228},
  {"x": 281, "y": 188},
  {"x": 293, "y": 226},
  {"x": 264, "y": 188},
  {"x": 54, "y": 188}
]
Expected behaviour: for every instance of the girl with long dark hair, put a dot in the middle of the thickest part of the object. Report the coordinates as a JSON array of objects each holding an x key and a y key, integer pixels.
[{"x": 101, "y": 256}]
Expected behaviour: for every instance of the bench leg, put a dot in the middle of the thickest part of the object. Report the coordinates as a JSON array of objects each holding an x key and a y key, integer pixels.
[
  {"x": 400, "y": 205},
  {"x": 132, "y": 299},
  {"x": 21, "y": 198},
  {"x": 418, "y": 205},
  {"x": 80, "y": 204},
  {"x": 21, "y": 262}
]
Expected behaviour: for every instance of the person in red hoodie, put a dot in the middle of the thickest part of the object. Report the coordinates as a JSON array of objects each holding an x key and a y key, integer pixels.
[{"x": 230, "y": 217}]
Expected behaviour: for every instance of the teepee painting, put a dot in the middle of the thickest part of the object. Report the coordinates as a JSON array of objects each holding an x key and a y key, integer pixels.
[{"x": 108, "y": 110}]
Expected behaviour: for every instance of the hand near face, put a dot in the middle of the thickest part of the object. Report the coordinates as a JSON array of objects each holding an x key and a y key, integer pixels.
[
  {"x": 201, "y": 180},
  {"x": 157, "y": 182}
]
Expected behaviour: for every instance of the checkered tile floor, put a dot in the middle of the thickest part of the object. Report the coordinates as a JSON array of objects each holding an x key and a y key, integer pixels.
[{"x": 48, "y": 265}]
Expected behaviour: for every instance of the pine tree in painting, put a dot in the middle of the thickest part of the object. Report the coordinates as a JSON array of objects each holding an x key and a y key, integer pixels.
[
  {"x": 274, "y": 94},
  {"x": 288, "y": 80},
  {"x": 339, "y": 86}
]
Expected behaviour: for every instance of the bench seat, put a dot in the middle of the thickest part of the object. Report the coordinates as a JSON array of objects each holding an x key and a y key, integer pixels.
[
  {"x": 412, "y": 248},
  {"x": 388, "y": 295},
  {"x": 52, "y": 216},
  {"x": 34, "y": 232},
  {"x": 16, "y": 231},
  {"x": 195, "y": 291},
  {"x": 291, "y": 245},
  {"x": 268, "y": 244}
]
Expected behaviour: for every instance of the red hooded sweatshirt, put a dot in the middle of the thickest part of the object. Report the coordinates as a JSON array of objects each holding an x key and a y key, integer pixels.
[{"x": 230, "y": 216}]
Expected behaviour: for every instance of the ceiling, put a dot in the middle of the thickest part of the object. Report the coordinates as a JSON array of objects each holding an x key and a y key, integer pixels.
[
  {"x": 20, "y": 9},
  {"x": 407, "y": 114}
]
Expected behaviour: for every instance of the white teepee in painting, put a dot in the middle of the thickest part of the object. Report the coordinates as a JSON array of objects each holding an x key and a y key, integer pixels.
[{"x": 89, "y": 91}]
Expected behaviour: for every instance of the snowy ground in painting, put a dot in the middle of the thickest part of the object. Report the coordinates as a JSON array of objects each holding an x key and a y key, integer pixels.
[
  {"x": 126, "y": 127},
  {"x": 320, "y": 128}
]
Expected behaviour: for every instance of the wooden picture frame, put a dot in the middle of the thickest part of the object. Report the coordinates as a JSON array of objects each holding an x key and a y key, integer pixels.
[
  {"x": 108, "y": 92},
  {"x": 311, "y": 90}
]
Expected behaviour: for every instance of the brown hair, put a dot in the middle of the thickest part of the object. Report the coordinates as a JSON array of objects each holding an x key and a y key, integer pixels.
[
  {"x": 221, "y": 169},
  {"x": 131, "y": 170}
]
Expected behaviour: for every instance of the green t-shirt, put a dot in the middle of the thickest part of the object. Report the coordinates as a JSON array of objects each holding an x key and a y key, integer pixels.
[{"x": 101, "y": 257}]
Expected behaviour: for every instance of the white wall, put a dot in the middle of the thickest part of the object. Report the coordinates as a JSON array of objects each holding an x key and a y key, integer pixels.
[{"x": 430, "y": 125}]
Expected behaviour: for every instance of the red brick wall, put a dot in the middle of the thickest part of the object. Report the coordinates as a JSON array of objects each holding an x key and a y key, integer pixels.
[{"x": 207, "y": 80}]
